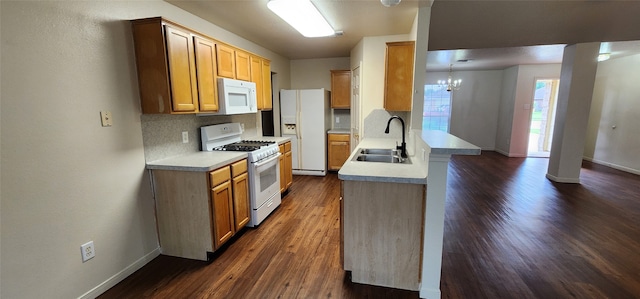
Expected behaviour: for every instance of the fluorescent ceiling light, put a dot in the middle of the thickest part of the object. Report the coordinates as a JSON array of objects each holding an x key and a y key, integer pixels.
[{"x": 303, "y": 16}]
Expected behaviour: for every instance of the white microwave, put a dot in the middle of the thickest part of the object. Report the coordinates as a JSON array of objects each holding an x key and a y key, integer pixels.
[{"x": 236, "y": 96}]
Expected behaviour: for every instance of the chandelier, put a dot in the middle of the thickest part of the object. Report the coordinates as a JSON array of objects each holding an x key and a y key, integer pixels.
[{"x": 450, "y": 84}]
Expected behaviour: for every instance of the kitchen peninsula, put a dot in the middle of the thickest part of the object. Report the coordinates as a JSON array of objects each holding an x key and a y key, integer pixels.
[{"x": 392, "y": 214}]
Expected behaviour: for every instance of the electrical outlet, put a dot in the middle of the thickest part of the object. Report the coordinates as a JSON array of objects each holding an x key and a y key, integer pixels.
[
  {"x": 88, "y": 251},
  {"x": 242, "y": 127},
  {"x": 105, "y": 116},
  {"x": 185, "y": 137},
  {"x": 337, "y": 119}
]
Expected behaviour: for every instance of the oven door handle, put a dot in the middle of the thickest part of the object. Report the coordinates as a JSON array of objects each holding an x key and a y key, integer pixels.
[{"x": 267, "y": 161}]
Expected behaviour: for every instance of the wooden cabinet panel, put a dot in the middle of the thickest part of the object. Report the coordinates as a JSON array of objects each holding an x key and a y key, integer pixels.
[
  {"x": 206, "y": 74},
  {"x": 181, "y": 70},
  {"x": 243, "y": 66},
  {"x": 226, "y": 59},
  {"x": 221, "y": 203},
  {"x": 220, "y": 176},
  {"x": 398, "y": 87},
  {"x": 288, "y": 164},
  {"x": 238, "y": 168},
  {"x": 266, "y": 84},
  {"x": 256, "y": 77},
  {"x": 338, "y": 149},
  {"x": 340, "y": 89},
  {"x": 241, "y": 205}
]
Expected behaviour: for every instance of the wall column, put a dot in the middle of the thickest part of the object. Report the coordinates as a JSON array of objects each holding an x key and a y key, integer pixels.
[{"x": 577, "y": 78}]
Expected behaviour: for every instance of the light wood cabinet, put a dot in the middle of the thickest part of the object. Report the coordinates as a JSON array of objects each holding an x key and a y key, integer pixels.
[
  {"x": 198, "y": 212},
  {"x": 398, "y": 87},
  {"x": 178, "y": 68},
  {"x": 226, "y": 58},
  {"x": 286, "y": 171},
  {"x": 241, "y": 206},
  {"x": 338, "y": 150},
  {"x": 266, "y": 103},
  {"x": 166, "y": 67},
  {"x": 340, "y": 89},
  {"x": 243, "y": 65},
  {"x": 377, "y": 248},
  {"x": 206, "y": 74},
  {"x": 288, "y": 165},
  {"x": 256, "y": 77}
]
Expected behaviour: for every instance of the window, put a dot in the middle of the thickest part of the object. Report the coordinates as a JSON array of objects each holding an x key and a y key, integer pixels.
[{"x": 437, "y": 108}]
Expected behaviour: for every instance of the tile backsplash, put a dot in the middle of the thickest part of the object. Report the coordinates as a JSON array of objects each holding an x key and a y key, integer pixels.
[
  {"x": 341, "y": 119},
  {"x": 162, "y": 134}
]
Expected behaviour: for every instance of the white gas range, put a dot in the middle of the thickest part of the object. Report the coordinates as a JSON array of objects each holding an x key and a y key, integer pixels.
[{"x": 264, "y": 166}]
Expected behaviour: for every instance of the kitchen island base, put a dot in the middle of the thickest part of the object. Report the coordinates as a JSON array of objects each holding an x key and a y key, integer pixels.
[{"x": 382, "y": 233}]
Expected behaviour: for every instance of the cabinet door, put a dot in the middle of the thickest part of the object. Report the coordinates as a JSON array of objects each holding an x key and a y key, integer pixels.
[
  {"x": 243, "y": 66},
  {"x": 182, "y": 71},
  {"x": 241, "y": 207},
  {"x": 340, "y": 89},
  {"x": 398, "y": 75},
  {"x": 338, "y": 150},
  {"x": 266, "y": 84},
  {"x": 206, "y": 74},
  {"x": 226, "y": 59},
  {"x": 288, "y": 170},
  {"x": 256, "y": 77},
  {"x": 222, "y": 201}
]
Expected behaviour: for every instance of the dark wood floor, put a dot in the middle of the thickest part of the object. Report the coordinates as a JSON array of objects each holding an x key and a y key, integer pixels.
[{"x": 509, "y": 233}]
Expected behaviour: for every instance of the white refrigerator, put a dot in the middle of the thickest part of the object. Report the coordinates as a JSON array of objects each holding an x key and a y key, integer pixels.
[{"x": 305, "y": 118}]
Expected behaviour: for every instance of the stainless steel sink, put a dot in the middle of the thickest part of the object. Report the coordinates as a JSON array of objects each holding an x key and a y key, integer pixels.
[
  {"x": 380, "y": 158},
  {"x": 380, "y": 151}
]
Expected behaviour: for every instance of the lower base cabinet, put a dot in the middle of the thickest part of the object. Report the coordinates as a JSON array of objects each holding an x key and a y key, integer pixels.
[
  {"x": 377, "y": 248},
  {"x": 286, "y": 164},
  {"x": 338, "y": 150},
  {"x": 198, "y": 212}
]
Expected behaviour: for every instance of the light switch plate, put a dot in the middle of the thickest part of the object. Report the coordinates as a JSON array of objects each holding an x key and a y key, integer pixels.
[{"x": 107, "y": 121}]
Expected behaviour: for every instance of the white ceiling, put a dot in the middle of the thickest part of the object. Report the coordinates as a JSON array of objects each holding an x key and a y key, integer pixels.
[{"x": 252, "y": 20}]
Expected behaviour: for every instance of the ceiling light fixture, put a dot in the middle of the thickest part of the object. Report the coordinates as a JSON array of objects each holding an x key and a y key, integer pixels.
[
  {"x": 389, "y": 3},
  {"x": 604, "y": 56},
  {"x": 450, "y": 84},
  {"x": 303, "y": 16}
]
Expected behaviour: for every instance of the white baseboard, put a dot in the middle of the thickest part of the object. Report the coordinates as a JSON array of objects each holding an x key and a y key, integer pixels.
[
  {"x": 310, "y": 172},
  {"x": 118, "y": 277},
  {"x": 563, "y": 180},
  {"x": 616, "y": 166},
  {"x": 499, "y": 151}
]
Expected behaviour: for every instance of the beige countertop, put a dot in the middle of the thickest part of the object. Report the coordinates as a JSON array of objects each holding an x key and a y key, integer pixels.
[
  {"x": 339, "y": 131},
  {"x": 414, "y": 171},
  {"x": 206, "y": 161}
]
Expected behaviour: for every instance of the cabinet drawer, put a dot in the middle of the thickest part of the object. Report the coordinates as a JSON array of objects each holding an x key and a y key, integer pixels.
[
  {"x": 339, "y": 137},
  {"x": 282, "y": 151},
  {"x": 239, "y": 168},
  {"x": 287, "y": 147},
  {"x": 220, "y": 176}
]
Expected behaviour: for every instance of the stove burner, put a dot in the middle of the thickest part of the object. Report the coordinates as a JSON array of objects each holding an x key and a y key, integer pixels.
[{"x": 244, "y": 146}]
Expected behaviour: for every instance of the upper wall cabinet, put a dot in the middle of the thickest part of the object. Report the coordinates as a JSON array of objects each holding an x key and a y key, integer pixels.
[
  {"x": 226, "y": 61},
  {"x": 398, "y": 83},
  {"x": 340, "y": 89},
  {"x": 178, "y": 68},
  {"x": 166, "y": 67}
]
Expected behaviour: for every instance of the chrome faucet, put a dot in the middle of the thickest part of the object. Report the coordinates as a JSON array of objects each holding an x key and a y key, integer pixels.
[{"x": 403, "y": 146}]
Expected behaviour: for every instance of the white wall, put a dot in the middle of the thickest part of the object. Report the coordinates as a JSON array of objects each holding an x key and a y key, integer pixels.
[
  {"x": 615, "y": 103},
  {"x": 66, "y": 180},
  {"x": 475, "y": 106},
  {"x": 315, "y": 73}
]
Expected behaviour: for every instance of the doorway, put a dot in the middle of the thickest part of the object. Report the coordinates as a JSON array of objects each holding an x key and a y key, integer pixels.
[{"x": 543, "y": 114}]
